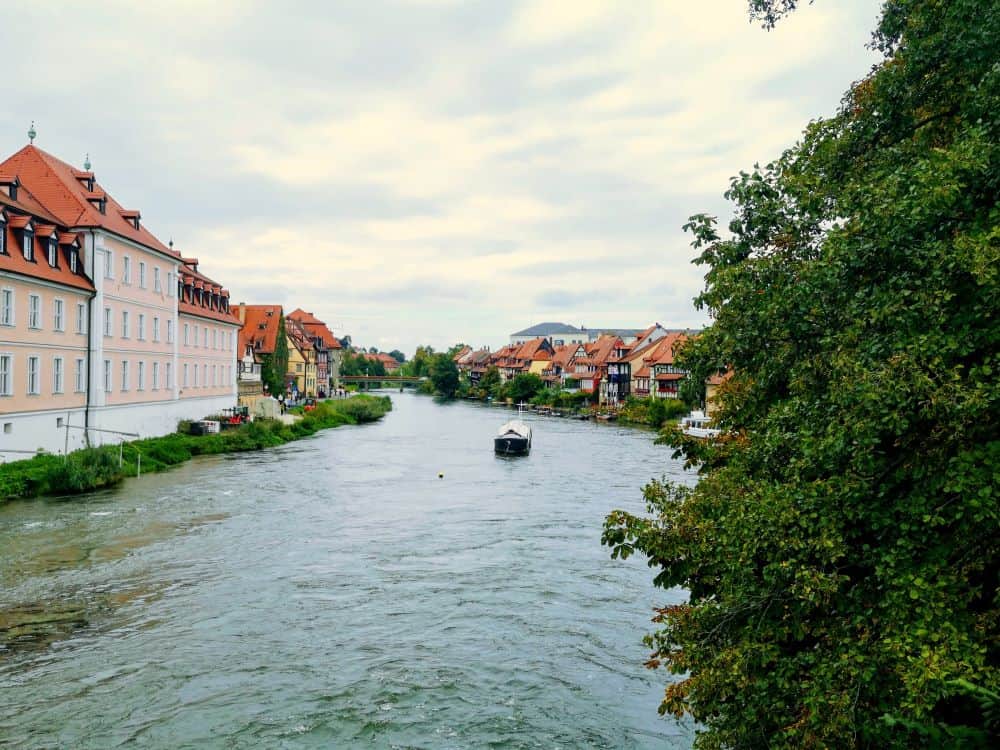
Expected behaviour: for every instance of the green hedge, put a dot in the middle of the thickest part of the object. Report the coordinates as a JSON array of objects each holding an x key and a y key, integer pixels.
[{"x": 93, "y": 468}]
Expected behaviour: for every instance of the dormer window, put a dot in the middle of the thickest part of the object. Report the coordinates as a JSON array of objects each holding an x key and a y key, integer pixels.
[
  {"x": 3, "y": 233},
  {"x": 53, "y": 253},
  {"x": 9, "y": 184},
  {"x": 74, "y": 260},
  {"x": 28, "y": 245}
]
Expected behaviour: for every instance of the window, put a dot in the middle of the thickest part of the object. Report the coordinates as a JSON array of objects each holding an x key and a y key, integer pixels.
[
  {"x": 34, "y": 311},
  {"x": 57, "y": 374},
  {"x": 124, "y": 374},
  {"x": 28, "y": 246},
  {"x": 6, "y": 307},
  {"x": 156, "y": 376},
  {"x": 205, "y": 337},
  {"x": 204, "y": 375},
  {"x": 156, "y": 329},
  {"x": 186, "y": 334},
  {"x": 157, "y": 286},
  {"x": 215, "y": 341},
  {"x": 53, "y": 254},
  {"x": 142, "y": 275},
  {"x": 170, "y": 284},
  {"x": 170, "y": 331},
  {"x": 81, "y": 318},
  {"x": 107, "y": 321},
  {"x": 125, "y": 325},
  {"x": 142, "y": 327},
  {"x": 34, "y": 374},
  {"x": 168, "y": 374},
  {"x": 194, "y": 383},
  {"x": 6, "y": 374},
  {"x": 126, "y": 270},
  {"x": 3, "y": 235},
  {"x": 140, "y": 377},
  {"x": 78, "y": 375},
  {"x": 184, "y": 382},
  {"x": 107, "y": 376},
  {"x": 194, "y": 340},
  {"x": 213, "y": 376},
  {"x": 74, "y": 259},
  {"x": 109, "y": 264},
  {"x": 57, "y": 314}
]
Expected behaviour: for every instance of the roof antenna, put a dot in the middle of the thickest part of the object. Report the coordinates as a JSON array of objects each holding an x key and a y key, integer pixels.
[
  {"x": 171, "y": 243},
  {"x": 32, "y": 133},
  {"x": 86, "y": 163}
]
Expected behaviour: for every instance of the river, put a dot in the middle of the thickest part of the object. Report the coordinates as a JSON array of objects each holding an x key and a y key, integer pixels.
[{"x": 335, "y": 592}]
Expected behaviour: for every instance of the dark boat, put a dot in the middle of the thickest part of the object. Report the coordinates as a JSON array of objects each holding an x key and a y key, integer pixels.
[{"x": 513, "y": 439}]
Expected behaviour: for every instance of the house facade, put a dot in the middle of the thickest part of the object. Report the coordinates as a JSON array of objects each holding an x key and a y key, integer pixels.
[{"x": 129, "y": 298}]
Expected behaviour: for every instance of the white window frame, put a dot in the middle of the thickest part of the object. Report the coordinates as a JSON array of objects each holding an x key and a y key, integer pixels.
[
  {"x": 78, "y": 375},
  {"x": 108, "y": 322},
  {"x": 156, "y": 375},
  {"x": 141, "y": 332},
  {"x": 58, "y": 310},
  {"x": 109, "y": 264},
  {"x": 58, "y": 374},
  {"x": 157, "y": 285},
  {"x": 156, "y": 329},
  {"x": 28, "y": 246},
  {"x": 81, "y": 318},
  {"x": 205, "y": 336},
  {"x": 187, "y": 337},
  {"x": 168, "y": 375},
  {"x": 108, "y": 377},
  {"x": 140, "y": 377},
  {"x": 125, "y": 324},
  {"x": 127, "y": 270},
  {"x": 170, "y": 331},
  {"x": 125, "y": 369},
  {"x": 6, "y": 374},
  {"x": 34, "y": 375},
  {"x": 7, "y": 309},
  {"x": 185, "y": 380},
  {"x": 53, "y": 253},
  {"x": 142, "y": 274},
  {"x": 35, "y": 311}
]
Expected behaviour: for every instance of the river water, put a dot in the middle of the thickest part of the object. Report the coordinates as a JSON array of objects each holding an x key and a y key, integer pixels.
[{"x": 335, "y": 592}]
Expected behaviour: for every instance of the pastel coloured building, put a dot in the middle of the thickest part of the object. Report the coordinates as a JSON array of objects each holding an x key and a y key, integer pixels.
[{"x": 91, "y": 346}]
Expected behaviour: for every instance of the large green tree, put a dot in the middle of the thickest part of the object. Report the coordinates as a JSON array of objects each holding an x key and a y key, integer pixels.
[
  {"x": 444, "y": 375},
  {"x": 841, "y": 548},
  {"x": 274, "y": 366}
]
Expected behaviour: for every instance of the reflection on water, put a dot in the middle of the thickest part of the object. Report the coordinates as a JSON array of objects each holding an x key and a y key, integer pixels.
[{"x": 336, "y": 592}]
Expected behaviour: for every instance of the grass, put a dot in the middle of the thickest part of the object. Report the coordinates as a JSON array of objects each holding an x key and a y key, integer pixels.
[{"x": 94, "y": 468}]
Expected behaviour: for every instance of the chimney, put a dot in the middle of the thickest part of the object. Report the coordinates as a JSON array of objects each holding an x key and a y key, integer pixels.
[{"x": 243, "y": 312}]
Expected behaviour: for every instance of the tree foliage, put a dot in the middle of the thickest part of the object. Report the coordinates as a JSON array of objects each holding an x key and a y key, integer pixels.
[
  {"x": 523, "y": 386},
  {"x": 444, "y": 375},
  {"x": 841, "y": 549},
  {"x": 274, "y": 366}
]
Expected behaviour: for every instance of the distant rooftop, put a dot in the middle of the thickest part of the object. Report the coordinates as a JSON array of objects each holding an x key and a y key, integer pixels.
[{"x": 547, "y": 329}]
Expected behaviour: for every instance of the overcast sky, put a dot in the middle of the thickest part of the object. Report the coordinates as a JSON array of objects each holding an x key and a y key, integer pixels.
[{"x": 429, "y": 171}]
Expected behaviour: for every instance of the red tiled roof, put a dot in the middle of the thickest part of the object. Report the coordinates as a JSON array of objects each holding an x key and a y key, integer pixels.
[
  {"x": 54, "y": 184},
  {"x": 260, "y": 327},
  {"x": 316, "y": 328},
  {"x": 13, "y": 260},
  {"x": 670, "y": 376},
  {"x": 204, "y": 309}
]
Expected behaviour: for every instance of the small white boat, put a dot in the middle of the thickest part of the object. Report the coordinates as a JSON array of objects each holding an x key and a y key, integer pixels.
[
  {"x": 513, "y": 439},
  {"x": 696, "y": 424}
]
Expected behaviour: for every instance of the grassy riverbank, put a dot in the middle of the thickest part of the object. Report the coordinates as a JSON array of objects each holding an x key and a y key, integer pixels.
[{"x": 94, "y": 468}]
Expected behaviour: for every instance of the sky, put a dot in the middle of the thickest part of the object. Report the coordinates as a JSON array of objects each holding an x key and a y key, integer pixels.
[{"x": 429, "y": 171}]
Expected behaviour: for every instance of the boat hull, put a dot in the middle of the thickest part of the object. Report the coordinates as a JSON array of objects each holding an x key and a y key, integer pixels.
[{"x": 511, "y": 445}]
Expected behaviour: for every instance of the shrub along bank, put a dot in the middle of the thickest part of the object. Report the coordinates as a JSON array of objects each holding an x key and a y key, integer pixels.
[{"x": 93, "y": 468}]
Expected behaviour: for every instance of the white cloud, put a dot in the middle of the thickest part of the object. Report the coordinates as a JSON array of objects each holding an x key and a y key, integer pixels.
[{"x": 431, "y": 170}]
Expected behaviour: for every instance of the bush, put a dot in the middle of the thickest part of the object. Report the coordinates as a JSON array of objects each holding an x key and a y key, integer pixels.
[{"x": 92, "y": 468}]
